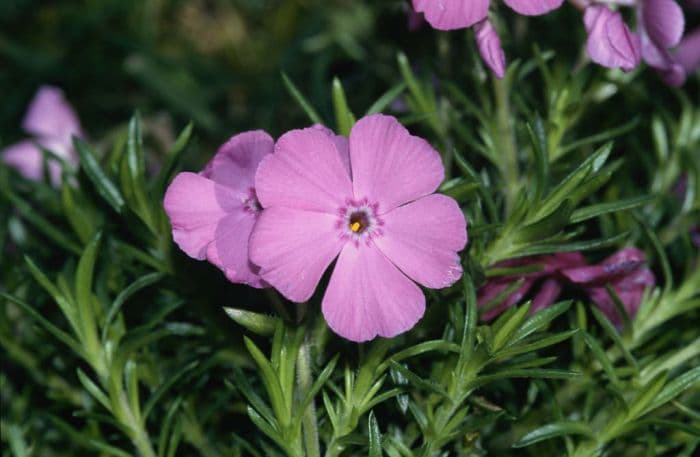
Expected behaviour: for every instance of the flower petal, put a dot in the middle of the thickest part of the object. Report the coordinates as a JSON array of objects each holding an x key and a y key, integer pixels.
[
  {"x": 610, "y": 43},
  {"x": 229, "y": 249},
  {"x": 422, "y": 238},
  {"x": 687, "y": 54},
  {"x": 341, "y": 144},
  {"x": 293, "y": 248},
  {"x": 26, "y": 158},
  {"x": 50, "y": 115},
  {"x": 549, "y": 291},
  {"x": 663, "y": 22},
  {"x": 236, "y": 161},
  {"x": 621, "y": 263},
  {"x": 491, "y": 291},
  {"x": 368, "y": 296},
  {"x": 452, "y": 14},
  {"x": 533, "y": 7},
  {"x": 489, "y": 44},
  {"x": 306, "y": 172},
  {"x": 195, "y": 205},
  {"x": 389, "y": 165}
]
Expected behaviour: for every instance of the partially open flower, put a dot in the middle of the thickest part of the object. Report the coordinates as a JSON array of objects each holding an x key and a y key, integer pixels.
[
  {"x": 369, "y": 202},
  {"x": 212, "y": 212},
  {"x": 52, "y": 122}
]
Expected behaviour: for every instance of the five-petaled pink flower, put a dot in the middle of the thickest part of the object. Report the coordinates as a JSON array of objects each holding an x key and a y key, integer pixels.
[
  {"x": 369, "y": 202},
  {"x": 213, "y": 212},
  {"x": 52, "y": 122}
]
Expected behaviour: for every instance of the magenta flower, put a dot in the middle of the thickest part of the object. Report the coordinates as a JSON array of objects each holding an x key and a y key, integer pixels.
[
  {"x": 369, "y": 202},
  {"x": 212, "y": 212},
  {"x": 458, "y": 14},
  {"x": 625, "y": 271},
  {"x": 52, "y": 122},
  {"x": 610, "y": 42},
  {"x": 549, "y": 276}
]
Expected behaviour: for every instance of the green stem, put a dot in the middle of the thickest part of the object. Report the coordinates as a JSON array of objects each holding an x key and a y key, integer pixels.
[
  {"x": 309, "y": 420},
  {"x": 506, "y": 141}
]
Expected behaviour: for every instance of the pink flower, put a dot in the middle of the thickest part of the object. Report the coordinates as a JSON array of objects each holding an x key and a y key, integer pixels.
[
  {"x": 458, "y": 14},
  {"x": 548, "y": 292},
  {"x": 489, "y": 44},
  {"x": 610, "y": 43},
  {"x": 625, "y": 271},
  {"x": 52, "y": 122},
  {"x": 212, "y": 212},
  {"x": 661, "y": 24},
  {"x": 369, "y": 203}
]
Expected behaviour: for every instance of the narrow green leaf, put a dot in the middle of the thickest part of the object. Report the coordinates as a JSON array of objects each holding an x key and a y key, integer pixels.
[
  {"x": 41, "y": 224},
  {"x": 163, "y": 388},
  {"x": 554, "y": 430},
  {"x": 516, "y": 349},
  {"x": 301, "y": 101},
  {"x": 167, "y": 426},
  {"x": 550, "y": 248},
  {"x": 647, "y": 394},
  {"x": 318, "y": 384},
  {"x": 141, "y": 283},
  {"x": 52, "y": 329},
  {"x": 87, "y": 441},
  {"x": 94, "y": 390},
  {"x": 78, "y": 218},
  {"x": 271, "y": 382},
  {"x": 104, "y": 186},
  {"x": 242, "y": 384},
  {"x": 600, "y": 137},
  {"x": 615, "y": 336},
  {"x": 386, "y": 99},
  {"x": 503, "y": 335},
  {"x": 173, "y": 158},
  {"x": 660, "y": 253},
  {"x": 589, "y": 212},
  {"x": 375, "y": 437},
  {"x": 538, "y": 140},
  {"x": 540, "y": 319},
  {"x": 689, "y": 379},
  {"x": 344, "y": 119},
  {"x": 600, "y": 355},
  {"x": 417, "y": 381},
  {"x": 83, "y": 289},
  {"x": 260, "y": 324},
  {"x": 266, "y": 428},
  {"x": 419, "y": 349}
]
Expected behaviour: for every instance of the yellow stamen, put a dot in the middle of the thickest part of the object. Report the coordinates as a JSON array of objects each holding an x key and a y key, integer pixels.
[{"x": 355, "y": 227}]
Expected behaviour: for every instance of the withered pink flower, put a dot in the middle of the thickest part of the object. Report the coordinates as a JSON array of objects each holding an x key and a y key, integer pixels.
[
  {"x": 369, "y": 203},
  {"x": 625, "y": 271},
  {"x": 548, "y": 274},
  {"x": 52, "y": 122}
]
